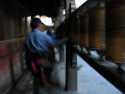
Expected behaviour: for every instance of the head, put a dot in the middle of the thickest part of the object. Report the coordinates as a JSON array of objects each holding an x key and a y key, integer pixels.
[
  {"x": 35, "y": 23},
  {"x": 46, "y": 23},
  {"x": 43, "y": 23}
]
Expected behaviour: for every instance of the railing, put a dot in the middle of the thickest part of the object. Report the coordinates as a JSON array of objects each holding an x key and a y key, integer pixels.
[{"x": 107, "y": 69}]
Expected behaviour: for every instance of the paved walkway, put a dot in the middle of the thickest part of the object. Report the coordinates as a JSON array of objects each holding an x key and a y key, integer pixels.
[{"x": 89, "y": 82}]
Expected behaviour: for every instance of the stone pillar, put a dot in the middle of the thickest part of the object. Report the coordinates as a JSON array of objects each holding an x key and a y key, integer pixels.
[{"x": 115, "y": 33}]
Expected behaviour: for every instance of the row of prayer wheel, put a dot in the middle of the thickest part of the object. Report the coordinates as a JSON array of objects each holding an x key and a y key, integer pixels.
[
  {"x": 115, "y": 33},
  {"x": 97, "y": 27},
  {"x": 92, "y": 27},
  {"x": 102, "y": 27}
]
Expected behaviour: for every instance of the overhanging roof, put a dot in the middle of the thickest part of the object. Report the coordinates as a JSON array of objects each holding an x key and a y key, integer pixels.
[
  {"x": 32, "y": 7},
  {"x": 48, "y": 7}
]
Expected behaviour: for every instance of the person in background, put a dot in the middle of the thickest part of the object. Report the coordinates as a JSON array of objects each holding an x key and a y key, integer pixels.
[{"x": 37, "y": 50}]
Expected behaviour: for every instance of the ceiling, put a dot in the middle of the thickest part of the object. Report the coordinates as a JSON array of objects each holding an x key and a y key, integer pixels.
[
  {"x": 48, "y": 7},
  {"x": 32, "y": 7}
]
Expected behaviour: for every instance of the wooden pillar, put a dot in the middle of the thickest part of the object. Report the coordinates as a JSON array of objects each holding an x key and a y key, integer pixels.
[
  {"x": 115, "y": 33},
  {"x": 26, "y": 25},
  {"x": 97, "y": 26},
  {"x": 71, "y": 62},
  {"x": 84, "y": 30},
  {"x": 11, "y": 30},
  {"x": 2, "y": 26},
  {"x": 71, "y": 67}
]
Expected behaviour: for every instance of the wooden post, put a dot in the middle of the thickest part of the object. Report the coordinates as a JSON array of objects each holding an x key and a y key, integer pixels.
[{"x": 71, "y": 67}]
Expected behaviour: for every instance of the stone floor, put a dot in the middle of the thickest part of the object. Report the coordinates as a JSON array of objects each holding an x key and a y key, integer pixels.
[{"x": 89, "y": 82}]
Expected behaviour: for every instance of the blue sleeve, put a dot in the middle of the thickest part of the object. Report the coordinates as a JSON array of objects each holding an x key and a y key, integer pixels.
[{"x": 51, "y": 40}]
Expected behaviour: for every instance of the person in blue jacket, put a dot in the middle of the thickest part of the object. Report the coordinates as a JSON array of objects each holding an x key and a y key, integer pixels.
[{"x": 37, "y": 44}]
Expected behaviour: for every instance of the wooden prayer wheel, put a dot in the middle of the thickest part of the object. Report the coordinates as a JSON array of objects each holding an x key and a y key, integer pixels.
[
  {"x": 75, "y": 29},
  {"x": 84, "y": 30},
  {"x": 97, "y": 26},
  {"x": 71, "y": 27},
  {"x": 115, "y": 33}
]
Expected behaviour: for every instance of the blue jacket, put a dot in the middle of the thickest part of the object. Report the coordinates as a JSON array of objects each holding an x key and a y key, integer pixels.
[{"x": 38, "y": 42}]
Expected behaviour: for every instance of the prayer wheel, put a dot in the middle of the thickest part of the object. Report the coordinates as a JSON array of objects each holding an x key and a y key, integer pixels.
[
  {"x": 84, "y": 30},
  {"x": 97, "y": 26},
  {"x": 75, "y": 29},
  {"x": 71, "y": 27},
  {"x": 115, "y": 33}
]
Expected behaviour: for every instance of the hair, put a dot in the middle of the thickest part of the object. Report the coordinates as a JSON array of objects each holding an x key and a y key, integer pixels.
[{"x": 35, "y": 22}]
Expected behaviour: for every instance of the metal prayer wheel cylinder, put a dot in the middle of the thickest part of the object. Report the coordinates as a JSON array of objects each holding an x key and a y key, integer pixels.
[
  {"x": 84, "y": 30},
  {"x": 115, "y": 33},
  {"x": 97, "y": 26}
]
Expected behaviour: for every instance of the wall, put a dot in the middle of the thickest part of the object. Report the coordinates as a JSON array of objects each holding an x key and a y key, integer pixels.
[{"x": 13, "y": 29}]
